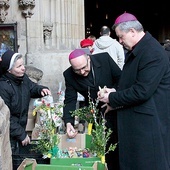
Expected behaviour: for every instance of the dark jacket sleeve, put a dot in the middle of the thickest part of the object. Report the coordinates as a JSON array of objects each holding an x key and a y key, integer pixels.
[
  {"x": 147, "y": 79},
  {"x": 70, "y": 99},
  {"x": 35, "y": 89}
]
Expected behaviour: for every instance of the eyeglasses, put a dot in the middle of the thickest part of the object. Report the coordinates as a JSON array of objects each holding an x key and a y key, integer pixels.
[{"x": 83, "y": 68}]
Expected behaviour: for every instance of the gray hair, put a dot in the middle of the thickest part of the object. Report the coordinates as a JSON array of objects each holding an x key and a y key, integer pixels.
[{"x": 126, "y": 26}]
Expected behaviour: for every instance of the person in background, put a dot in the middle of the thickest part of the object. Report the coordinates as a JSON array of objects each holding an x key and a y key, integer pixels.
[
  {"x": 105, "y": 43},
  {"x": 16, "y": 91},
  {"x": 92, "y": 37},
  {"x": 142, "y": 100},
  {"x": 87, "y": 43},
  {"x": 84, "y": 76},
  {"x": 167, "y": 47}
]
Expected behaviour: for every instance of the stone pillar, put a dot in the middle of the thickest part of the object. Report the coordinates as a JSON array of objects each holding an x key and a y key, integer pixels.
[
  {"x": 71, "y": 23},
  {"x": 5, "y": 148},
  {"x": 67, "y": 18}
]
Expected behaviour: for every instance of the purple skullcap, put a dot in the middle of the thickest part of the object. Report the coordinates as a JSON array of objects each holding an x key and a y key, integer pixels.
[
  {"x": 76, "y": 53},
  {"x": 124, "y": 18}
]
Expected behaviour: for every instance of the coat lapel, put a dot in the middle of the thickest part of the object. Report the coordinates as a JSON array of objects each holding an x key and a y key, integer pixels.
[
  {"x": 96, "y": 70},
  {"x": 83, "y": 81}
]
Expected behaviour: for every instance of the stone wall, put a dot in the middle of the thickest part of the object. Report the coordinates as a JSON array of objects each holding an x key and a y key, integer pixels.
[
  {"x": 5, "y": 149},
  {"x": 47, "y": 31},
  {"x": 52, "y": 65}
]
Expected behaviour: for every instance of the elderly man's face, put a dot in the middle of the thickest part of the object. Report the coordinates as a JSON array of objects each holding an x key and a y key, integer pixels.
[{"x": 81, "y": 65}]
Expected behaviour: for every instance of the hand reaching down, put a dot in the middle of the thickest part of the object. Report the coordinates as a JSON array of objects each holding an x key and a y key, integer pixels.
[
  {"x": 71, "y": 132},
  {"x": 26, "y": 141}
]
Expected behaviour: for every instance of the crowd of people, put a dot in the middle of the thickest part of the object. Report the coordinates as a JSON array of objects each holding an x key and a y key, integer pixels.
[
  {"x": 105, "y": 43},
  {"x": 136, "y": 97}
]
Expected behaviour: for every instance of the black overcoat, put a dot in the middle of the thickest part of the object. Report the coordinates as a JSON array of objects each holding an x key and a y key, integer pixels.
[
  {"x": 143, "y": 100},
  {"x": 105, "y": 73}
]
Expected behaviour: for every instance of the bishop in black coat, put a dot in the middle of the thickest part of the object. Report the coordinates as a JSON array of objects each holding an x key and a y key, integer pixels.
[{"x": 103, "y": 72}]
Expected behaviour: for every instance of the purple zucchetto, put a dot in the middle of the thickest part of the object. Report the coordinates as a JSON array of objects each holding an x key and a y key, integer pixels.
[
  {"x": 76, "y": 53},
  {"x": 124, "y": 18}
]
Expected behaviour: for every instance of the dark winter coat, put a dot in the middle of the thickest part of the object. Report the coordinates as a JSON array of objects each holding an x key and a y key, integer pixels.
[
  {"x": 16, "y": 93},
  {"x": 106, "y": 73},
  {"x": 143, "y": 100}
]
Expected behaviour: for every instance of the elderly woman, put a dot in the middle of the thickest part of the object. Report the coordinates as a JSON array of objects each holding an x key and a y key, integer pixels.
[{"x": 16, "y": 91}]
